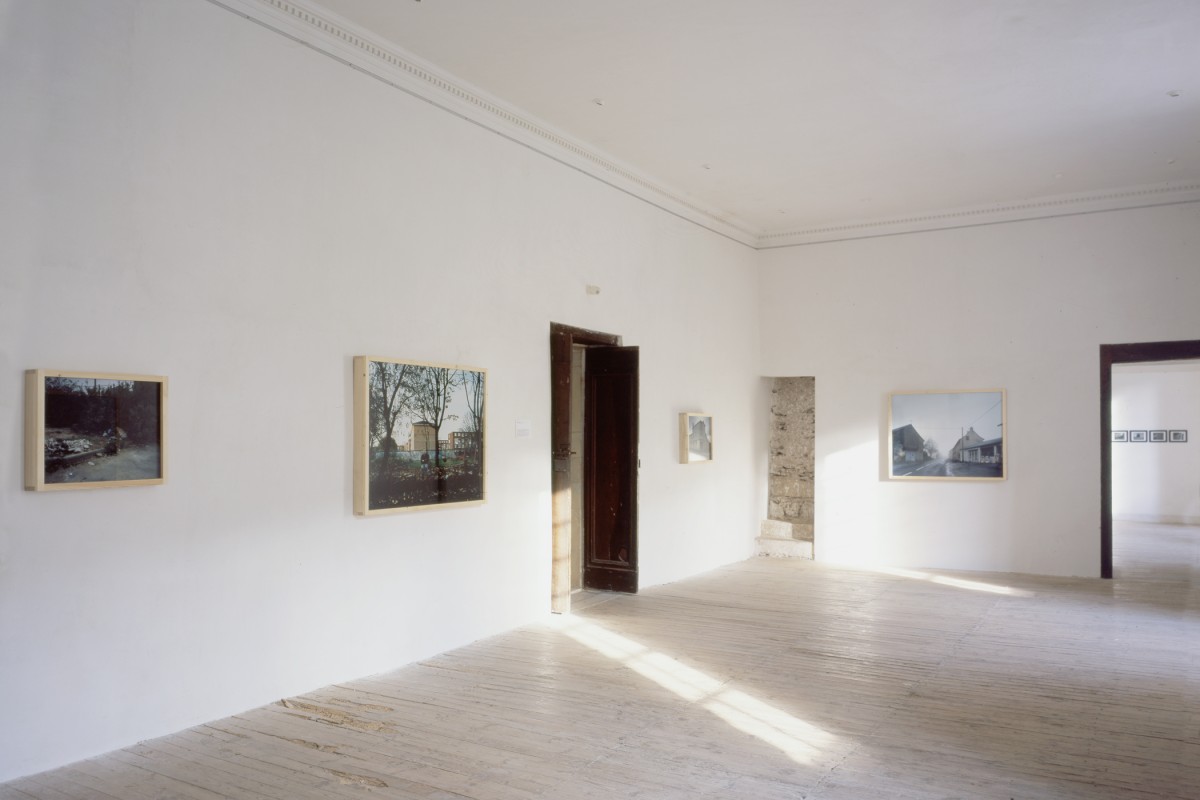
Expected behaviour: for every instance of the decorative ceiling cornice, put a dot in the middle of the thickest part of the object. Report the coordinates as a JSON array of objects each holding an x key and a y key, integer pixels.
[
  {"x": 324, "y": 32},
  {"x": 991, "y": 214}
]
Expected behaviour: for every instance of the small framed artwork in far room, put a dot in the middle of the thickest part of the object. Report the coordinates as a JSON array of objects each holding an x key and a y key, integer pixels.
[
  {"x": 1120, "y": 436},
  {"x": 94, "y": 430},
  {"x": 695, "y": 437},
  {"x": 1139, "y": 436},
  {"x": 954, "y": 435},
  {"x": 1177, "y": 436},
  {"x": 1158, "y": 436}
]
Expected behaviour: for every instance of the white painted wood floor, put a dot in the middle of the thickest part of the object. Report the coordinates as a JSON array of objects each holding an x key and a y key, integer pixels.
[{"x": 768, "y": 679}]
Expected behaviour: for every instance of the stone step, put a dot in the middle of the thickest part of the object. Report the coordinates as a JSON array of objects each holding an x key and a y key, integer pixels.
[
  {"x": 776, "y": 528},
  {"x": 784, "y": 547}
]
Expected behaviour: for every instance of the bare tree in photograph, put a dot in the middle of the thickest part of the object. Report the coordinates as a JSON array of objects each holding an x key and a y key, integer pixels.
[
  {"x": 473, "y": 390},
  {"x": 432, "y": 387},
  {"x": 389, "y": 399}
]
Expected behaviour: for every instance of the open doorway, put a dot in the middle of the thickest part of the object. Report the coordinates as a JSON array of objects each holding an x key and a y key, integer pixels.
[
  {"x": 594, "y": 436},
  {"x": 1156, "y": 470},
  {"x": 1110, "y": 354}
]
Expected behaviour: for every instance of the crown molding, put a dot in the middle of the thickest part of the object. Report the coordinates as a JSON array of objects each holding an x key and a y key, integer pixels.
[
  {"x": 306, "y": 22},
  {"x": 1171, "y": 193},
  {"x": 327, "y": 33}
]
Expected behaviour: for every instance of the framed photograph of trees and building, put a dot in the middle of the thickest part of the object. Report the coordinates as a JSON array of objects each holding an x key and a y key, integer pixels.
[
  {"x": 419, "y": 435},
  {"x": 93, "y": 430},
  {"x": 957, "y": 435},
  {"x": 695, "y": 437}
]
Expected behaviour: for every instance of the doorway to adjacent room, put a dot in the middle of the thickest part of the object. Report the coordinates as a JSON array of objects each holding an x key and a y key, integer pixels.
[
  {"x": 594, "y": 462},
  {"x": 1110, "y": 354}
]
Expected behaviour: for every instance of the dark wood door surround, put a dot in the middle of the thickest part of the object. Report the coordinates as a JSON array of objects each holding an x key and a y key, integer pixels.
[
  {"x": 1136, "y": 353},
  {"x": 562, "y": 339}
]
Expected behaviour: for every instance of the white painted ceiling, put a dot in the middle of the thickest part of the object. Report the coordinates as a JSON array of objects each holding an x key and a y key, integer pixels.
[{"x": 790, "y": 115}]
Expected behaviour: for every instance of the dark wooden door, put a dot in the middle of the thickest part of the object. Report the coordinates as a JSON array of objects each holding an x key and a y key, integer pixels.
[{"x": 610, "y": 469}]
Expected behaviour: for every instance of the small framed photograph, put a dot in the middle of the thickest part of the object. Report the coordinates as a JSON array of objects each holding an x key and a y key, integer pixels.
[
  {"x": 419, "y": 435},
  {"x": 94, "y": 430},
  {"x": 695, "y": 437},
  {"x": 1139, "y": 436},
  {"x": 1120, "y": 436},
  {"x": 1177, "y": 436},
  {"x": 957, "y": 435},
  {"x": 1158, "y": 436}
]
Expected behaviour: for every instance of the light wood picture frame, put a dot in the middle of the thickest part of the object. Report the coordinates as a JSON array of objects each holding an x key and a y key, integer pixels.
[
  {"x": 420, "y": 435},
  {"x": 956, "y": 435},
  {"x": 695, "y": 437},
  {"x": 94, "y": 430}
]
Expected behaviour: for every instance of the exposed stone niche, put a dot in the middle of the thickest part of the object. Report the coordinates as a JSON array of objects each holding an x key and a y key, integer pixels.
[{"x": 788, "y": 529}]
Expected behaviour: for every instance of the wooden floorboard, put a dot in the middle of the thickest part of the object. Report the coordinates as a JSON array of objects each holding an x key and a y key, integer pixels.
[{"x": 765, "y": 680}]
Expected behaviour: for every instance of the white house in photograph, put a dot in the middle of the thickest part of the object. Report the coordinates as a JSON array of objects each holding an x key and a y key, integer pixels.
[{"x": 243, "y": 195}]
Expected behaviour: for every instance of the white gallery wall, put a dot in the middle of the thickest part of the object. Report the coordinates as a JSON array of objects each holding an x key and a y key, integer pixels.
[
  {"x": 1022, "y": 307},
  {"x": 1157, "y": 481},
  {"x": 192, "y": 195}
]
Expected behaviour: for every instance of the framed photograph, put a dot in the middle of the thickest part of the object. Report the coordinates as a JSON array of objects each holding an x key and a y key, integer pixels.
[
  {"x": 93, "y": 430},
  {"x": 695, "y": 437},
  {"x": 419, "y": 435},
  {"x": 1120, "y": 436},
  {"x": 1177, "y": 436},
  {"x": 1138, "y": 436},
  {"x": 1158, "y": 436},
  {"x": 957, "y": 435}
]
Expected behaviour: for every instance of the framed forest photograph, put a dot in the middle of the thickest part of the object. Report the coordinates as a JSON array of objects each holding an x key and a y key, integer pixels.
[
  {"x": 419, "y": 435},
  {"x": 92, "y": 430}
]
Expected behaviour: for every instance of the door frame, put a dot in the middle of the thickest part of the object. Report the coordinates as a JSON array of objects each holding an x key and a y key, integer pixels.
[
  {"x": 562, "y": 339},
  {"x": 1132, "y": 353}
]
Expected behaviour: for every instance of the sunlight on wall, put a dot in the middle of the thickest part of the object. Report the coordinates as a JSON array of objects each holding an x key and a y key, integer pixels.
[
  {"x": 797, "y": 739},
  {"x": 848, "y": 530},
  {"x": 958, "y": 583}
]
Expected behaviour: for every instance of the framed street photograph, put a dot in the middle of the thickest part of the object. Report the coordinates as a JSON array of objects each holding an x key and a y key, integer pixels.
[
  {"x": 957, "y": 435},
  {"x": 695, "y": 437},
  {"x": 1138, "y": 436},
  {"x": 419, "y": 435},
  {"x": 1177, "y": 436},
  {"x": 93, "y": 430},
  {"x": 1120, "y": 436},
  {"x": 1158, "y": 436}
]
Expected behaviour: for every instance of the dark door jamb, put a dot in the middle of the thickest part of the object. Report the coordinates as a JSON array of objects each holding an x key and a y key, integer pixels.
[{"x": 1110, "y": 354}]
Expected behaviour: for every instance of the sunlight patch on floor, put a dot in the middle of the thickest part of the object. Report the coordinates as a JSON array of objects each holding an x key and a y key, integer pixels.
[
  {"x": 797, "y": 739},
  {"x": 958, "y": 583}
]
